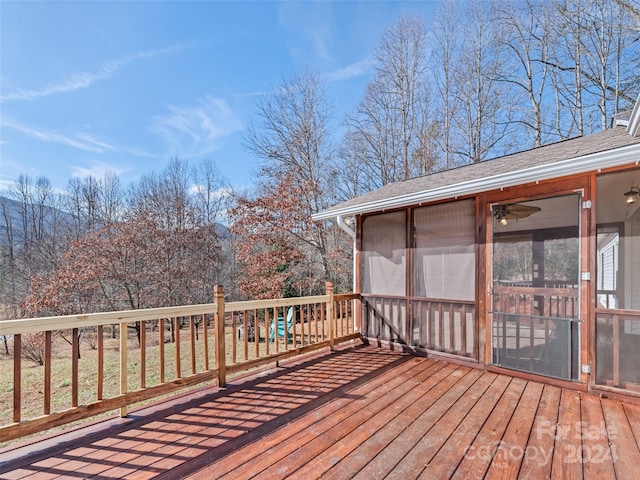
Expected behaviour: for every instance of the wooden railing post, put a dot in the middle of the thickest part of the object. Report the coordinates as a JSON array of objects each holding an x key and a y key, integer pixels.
[
  {"x": 123, "y": 365},
  {"x": 331, "y": 315},
  {"x": 218, "y": 298}
]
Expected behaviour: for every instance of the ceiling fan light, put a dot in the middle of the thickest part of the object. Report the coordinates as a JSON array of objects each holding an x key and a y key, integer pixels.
[
  {"x": 632, "y": 195},
  {"x": 503, "y": 221}
]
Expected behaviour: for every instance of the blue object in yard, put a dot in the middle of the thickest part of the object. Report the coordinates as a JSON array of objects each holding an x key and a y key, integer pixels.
[{"x": 281, "y": 327}]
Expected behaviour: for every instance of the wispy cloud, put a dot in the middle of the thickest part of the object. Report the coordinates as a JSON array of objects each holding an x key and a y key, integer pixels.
[
  {"x": 354, "y": 70},
  {"x": 196, "y": 130},
  {"x": 96, "y": 169},
  {"x": 81, "y": 141},
  {"x": 52, "y": 137},
  {"x": 77, "y": 81}
]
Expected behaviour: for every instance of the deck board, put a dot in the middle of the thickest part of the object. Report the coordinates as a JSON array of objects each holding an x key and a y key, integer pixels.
[{"x": 361, "y": 412}]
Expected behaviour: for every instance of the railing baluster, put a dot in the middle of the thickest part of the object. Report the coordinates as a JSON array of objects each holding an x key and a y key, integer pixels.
[
  {"x": 256, "y": 334},
  {"x": 17, "y": 377},
  {"x": 192, "y": 339},
  {"x": 616, "y": 350},
  {"x": 75, "y": 349},
  {"x": 245, "y": 339},
  {"x": 161, "y": 348},
  {"x": 123, "y": 365},
  {"x": 176, "y": 344},
  {"x": 47, "y": 372},
  {"x": 143, "y": 354},
  {"x": 235, "y": 334},
  {"x": 100, "y": 373},
  {"x": 205, "y": 341}
]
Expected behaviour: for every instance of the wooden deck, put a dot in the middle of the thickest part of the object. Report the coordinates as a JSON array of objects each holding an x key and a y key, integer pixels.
[{"x": 361, "y": 412}]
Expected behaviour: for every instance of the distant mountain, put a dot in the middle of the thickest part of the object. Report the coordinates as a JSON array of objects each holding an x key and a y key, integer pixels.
[
  {"x": 11, "y": 210},
  {"x": 10, "y": 213}
]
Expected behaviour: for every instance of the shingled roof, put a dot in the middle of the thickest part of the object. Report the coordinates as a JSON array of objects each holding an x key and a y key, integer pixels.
[{"x": 612, "y": 147}]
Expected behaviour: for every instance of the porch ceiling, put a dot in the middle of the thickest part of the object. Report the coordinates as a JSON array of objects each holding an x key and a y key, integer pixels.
[
  {"x": 362, "y": 412},
  {"x": 610, "y": 148}
]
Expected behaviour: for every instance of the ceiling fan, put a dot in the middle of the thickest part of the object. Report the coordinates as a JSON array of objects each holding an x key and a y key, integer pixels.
[{"x": 513, "y": 211}]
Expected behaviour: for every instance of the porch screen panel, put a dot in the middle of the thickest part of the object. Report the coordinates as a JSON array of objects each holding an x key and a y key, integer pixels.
[
  {"x": 443, "y": 274},
  {"x": 384, "y": 257},
  {"x": 618, "y": 291},
  {"x": 444, "y": 255}
]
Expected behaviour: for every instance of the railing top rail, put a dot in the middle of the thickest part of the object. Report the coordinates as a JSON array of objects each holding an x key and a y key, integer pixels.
[
  {"x": 618, "y": 311},
  {"x": 541, "y": 291},
  {"x": 442, "y": 300},
  {"x": 280, "y": 302},
  {"x": 63, "y": 322},
  {"x": 346, "y": 296},
  {"x": 538, "y": 317}
]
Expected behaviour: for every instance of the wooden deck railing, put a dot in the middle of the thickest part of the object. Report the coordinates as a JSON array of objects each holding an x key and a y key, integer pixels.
[
  {"x": 159, "y": 351},
  {"x": 545, "y": 302},
  {"x": 443, "y": 326},
  {"x": 617, "y": 346}
]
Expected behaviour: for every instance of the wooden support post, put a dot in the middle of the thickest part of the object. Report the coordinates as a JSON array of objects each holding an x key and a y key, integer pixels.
[
  {"x": 331, "y": 315},
  {"x": 123, "y": 365},
  {"x": 218, "y": 298}
]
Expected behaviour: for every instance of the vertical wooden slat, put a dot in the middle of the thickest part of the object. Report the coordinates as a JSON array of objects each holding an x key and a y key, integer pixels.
[
  {"x": 440, "y": 326},
  {"x": 431, "y": 325},
  {"x": 100, "y": 373},
  {"x": 161, "y": 348},
  {"x": 452, "y": 329},
  {"x": 616, "y": 350},
  {"x": 17, "y": 378},
  {"x": 322, "y": 321},
  {"x": 143, "y": 354},
  {"x": 256, "y": 334},
  {"x": 245, "y": 339},
  {"x": 308, "y": 313},
  {"x": 176, "y": 338},
  {"x": 47, "y": 372},
  {"x": 531, "y": 342},
  {"x": 218, "y": 296},
  {"x": 192, "y": 338},
  {"x": 75, "y": 347},
  {"x": 463, "y": 332},
  {"x": 123, "y": 365},
  {"x": 234, "y": 336},
  {"x": 205, "y": 341},
  {"x": 267, "y": 329}
]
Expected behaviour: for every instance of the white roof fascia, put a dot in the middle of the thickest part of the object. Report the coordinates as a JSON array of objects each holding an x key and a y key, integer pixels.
[
  {"x": 609, "y": 158},
  {"x": 633, "y": 128}
]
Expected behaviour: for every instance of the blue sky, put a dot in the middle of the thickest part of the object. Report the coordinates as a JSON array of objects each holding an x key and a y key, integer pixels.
[{"x": 87, "y": 87}]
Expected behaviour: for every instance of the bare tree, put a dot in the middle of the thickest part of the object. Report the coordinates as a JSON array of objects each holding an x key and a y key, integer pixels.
[
  {"x": 445, "y": 53},
  {"x": 485, "y": 116},
  {"x": 390, "y": 127},
  {"x": 292, "y": 140},
  {"x": 526, "y": 38},
  {"x": 593, "y": 43}
]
